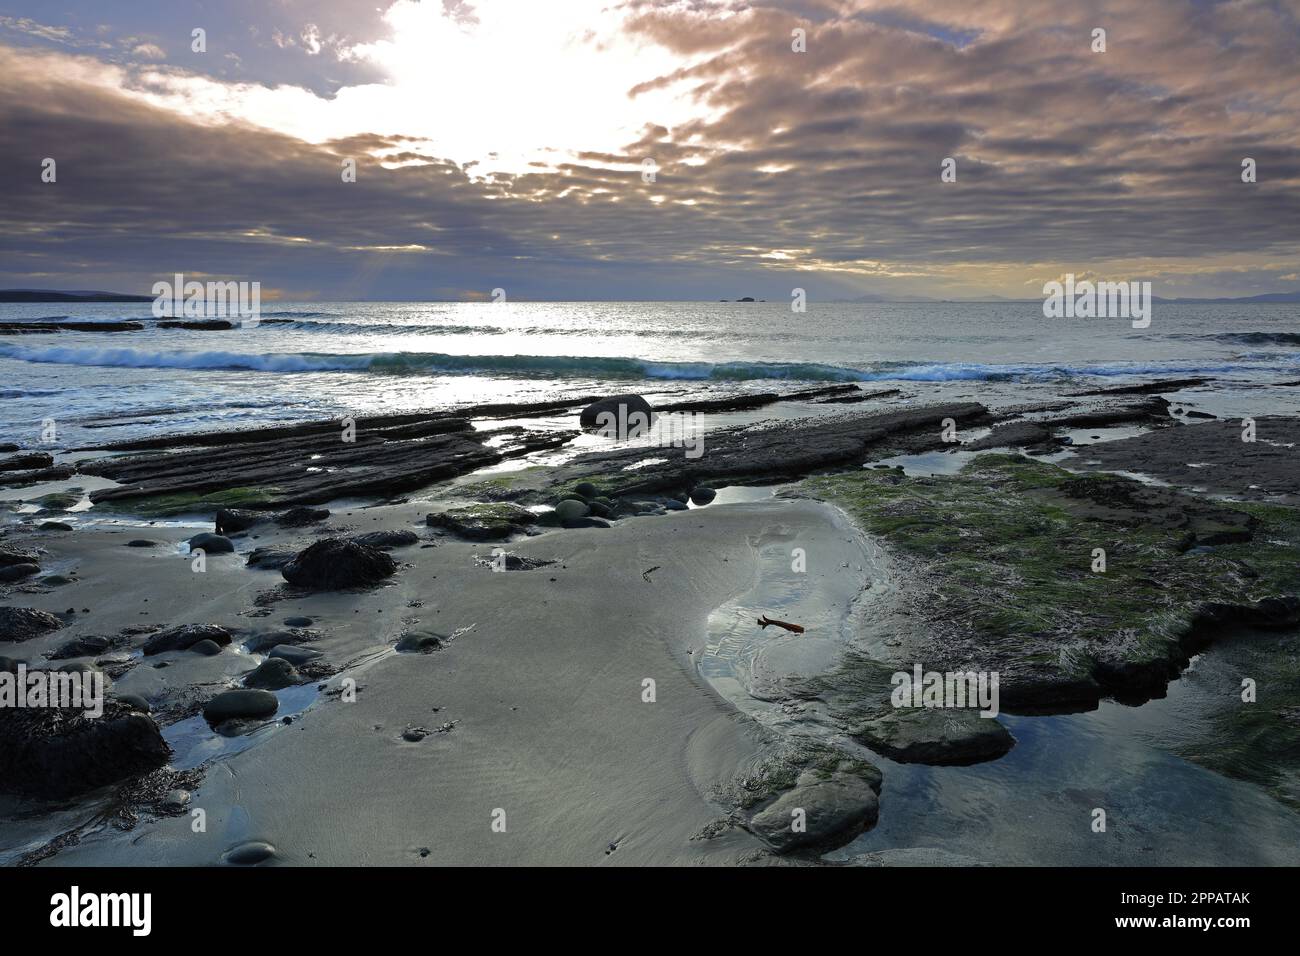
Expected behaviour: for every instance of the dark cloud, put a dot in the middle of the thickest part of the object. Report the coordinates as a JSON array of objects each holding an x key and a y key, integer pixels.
[{"x": 819, "y": 169}]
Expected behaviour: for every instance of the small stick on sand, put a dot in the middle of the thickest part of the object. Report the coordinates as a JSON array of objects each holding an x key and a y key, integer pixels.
[
  {"x": 764, "y": 621},
  {"x": 649, "y": 571}
]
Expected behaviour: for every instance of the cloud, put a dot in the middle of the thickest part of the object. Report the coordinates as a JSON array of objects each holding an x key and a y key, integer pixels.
[{"x": 510, "y": 146}]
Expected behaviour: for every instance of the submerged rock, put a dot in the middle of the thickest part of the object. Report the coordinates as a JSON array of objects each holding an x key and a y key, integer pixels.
[
  {"x": 817, "y": 813},
  {"x": 53, "y": 753},
  {"x": 939, "y": 736},
  {"x": 24, "y": 623},
  {"x": 334, "y": 564},
  {"x": 297, "y": 517}
]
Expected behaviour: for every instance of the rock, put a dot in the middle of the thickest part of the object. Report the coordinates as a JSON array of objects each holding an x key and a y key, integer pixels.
[
  {"x": 249, "y": 854},
  {"x": 141, "y": 543},
  {"x": 599, "y": 510},
  {"x": 240, "y": 705},
  {"x": 15, "y": 556},
  {"x": 702, "y": 495},
  {"x": 212, "y": 543},
  {"x": 206, "y": 647},
  {"x": 24, "y": 623},
  {"x": 56, "y": 580},
  {"x": 176, "y": 799},
  {"x": 269, "y": 559},
  {"x": 333, "y": 564},
  {"x": 52, "y": 753},
  {"x": 935, "y": 736},
  {"x": 186, "y": 636},
  {"x": 25, "y": 462},
  {"x": 271, "y": 639},
  {"x": 489, "y": 522},
  {"x": 569, "y": 510},
  {"x": 672, "y": 504},
  {"x": 8, "y": 665},
  {"x": 16, "y": 572},
  {"x": 834, "y": 811},
  {"x": 272, "y": 674},
  {"x": 231, "y": 520},
  {"x": 297, "y": 656},
  {"x": 297, "y": 517},
  {"x": 585, "y": 523},
  {"x": 621, "y": 406},
  {"x": 586, "y": 489},
  {"x": 134, "y": 701},
  {"x": 298, "y": 622},
  {"x": 86, "y": 646},
  {"x": 1012, "y": 435},
  {"x": 386, "y": 539},
  {"x": 422, "y": 642},
  {"x": 54, "y": 526}
]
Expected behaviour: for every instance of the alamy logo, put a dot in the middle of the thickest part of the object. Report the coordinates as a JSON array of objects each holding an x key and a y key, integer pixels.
[
  {"x": 71, "y": 690},
  {"x": 950, "y": 689},
  {"x": 73, "y": 909},
  {"x": 213, "y": 300},
  {"x": 1102, "y": 300}
]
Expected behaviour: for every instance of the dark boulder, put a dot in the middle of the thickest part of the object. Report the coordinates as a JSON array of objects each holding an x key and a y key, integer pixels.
[
  {"x": 16, "y": 572},
  {"x": 272, "y": 674},
  {"x": 334, "y": 564},
  {"x": 212, "y": 543},
  {"x": 24, "y": 623},
  {"x": 241, "y": 705},
  {"x": 386, "y": 539},
  {"x": 486, "y": 522},
  {"x": 186, "y": 636},
  {"x": 702, "y": 495},
  {"x": 53, "y": 753},
  {"x": 297, "y": 517},
  {"x": 622, "y": 407},
  {"x": 231, "y": 520}
]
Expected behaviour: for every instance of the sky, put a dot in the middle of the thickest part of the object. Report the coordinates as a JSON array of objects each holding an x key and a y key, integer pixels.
[{"x": 600, "y": 149}]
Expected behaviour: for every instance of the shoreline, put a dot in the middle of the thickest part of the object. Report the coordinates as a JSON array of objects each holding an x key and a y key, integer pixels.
[{"x": 523, "y": 689}]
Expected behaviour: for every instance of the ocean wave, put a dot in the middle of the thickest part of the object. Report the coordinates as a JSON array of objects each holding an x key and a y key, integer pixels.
[{"x": 584, "y": 366}]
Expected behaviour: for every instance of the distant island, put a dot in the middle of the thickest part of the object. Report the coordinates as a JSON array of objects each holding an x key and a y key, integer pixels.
[{"x": 54, "y": 295}]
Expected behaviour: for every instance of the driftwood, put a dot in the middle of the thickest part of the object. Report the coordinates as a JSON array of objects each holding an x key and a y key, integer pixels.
[{"x": 764, "y": 621}]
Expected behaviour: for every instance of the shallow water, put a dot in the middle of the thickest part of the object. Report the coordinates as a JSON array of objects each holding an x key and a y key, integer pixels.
[{"x": 1036, "y": 805}]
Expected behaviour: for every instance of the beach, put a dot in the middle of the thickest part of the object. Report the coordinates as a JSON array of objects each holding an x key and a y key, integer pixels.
[{"x": 484, "y": 634}]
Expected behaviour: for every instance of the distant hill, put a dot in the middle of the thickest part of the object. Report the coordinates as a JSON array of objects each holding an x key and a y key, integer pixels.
[
  {"x": 1240, "y": 300},
  {"x": 55, "y": 295}
]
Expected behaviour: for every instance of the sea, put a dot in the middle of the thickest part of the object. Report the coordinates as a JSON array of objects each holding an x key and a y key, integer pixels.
[{"x": 306, "y": 360}]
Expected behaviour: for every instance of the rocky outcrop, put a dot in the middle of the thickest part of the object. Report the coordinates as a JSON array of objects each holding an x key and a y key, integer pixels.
[{"x": 24, "y": 623}]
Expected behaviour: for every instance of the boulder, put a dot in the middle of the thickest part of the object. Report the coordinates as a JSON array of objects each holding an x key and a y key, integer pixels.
[
  {"x": 569, "y": 510},
  {"x": 212, "y": 543},
  {"x": 702, "y": 495},
  {"x": 13, "y": 556},
  {"x": 334, "y": 564},
  {"x": 833, "y": 811},
  {"x": 186, "y": 636},
  {"x": 269, "y": 559},
  {"x": 935, "y": 736},
  {"x": 488, "y": 522},
  {"x": 297, "y": 656},
  {"x": 206, "y": 647},
  {"x": 53, "y": 753},
  {"x": 386, "y": 539},
  {"x": 231, "y": 520},
  {"x": 24, "y": 623},
  {"x": 241, "y": 705},
  {"x": 272, "y": 674},
  {"x": 16, "y": 572},
  {"x": 621, "y": 406},
  {"x": 297, "y": 517}
]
